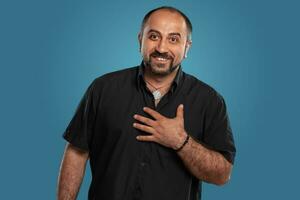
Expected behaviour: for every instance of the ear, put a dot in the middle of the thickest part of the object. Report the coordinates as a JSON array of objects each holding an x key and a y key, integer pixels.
[
  {"x": 140, "y": 40},
  {"x": 187, "y": 47}
]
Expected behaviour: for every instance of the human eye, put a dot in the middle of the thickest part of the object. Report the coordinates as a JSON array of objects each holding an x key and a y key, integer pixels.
[
  {"x": 174, "y": 39},
  {"x": 153, "y": 36}
]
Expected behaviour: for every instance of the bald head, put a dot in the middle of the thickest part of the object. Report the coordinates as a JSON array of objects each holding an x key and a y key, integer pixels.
[{"x": 173, "y": 10}]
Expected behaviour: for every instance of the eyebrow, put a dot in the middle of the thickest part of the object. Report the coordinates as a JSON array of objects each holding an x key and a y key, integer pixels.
[
  {"x": 152, "y": 30},
  {"x": 178, "y": 34}
]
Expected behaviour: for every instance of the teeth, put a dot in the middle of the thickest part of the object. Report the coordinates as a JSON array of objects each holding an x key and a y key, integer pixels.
[{"x": 161, "y": 59}]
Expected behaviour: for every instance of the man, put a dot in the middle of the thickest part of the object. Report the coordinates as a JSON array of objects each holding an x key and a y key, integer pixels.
[{"x": 151, "y": 132}]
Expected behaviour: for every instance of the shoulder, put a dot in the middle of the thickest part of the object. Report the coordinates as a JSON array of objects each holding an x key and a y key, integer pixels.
[
  {"x": 203, "y": 89},
  {"x": 111, "y": 81},
  {"x": 115, "y": 77},
  {"x": 205, "y": 95}
]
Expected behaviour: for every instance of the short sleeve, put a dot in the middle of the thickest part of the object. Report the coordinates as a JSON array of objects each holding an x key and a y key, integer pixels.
[
  {"x": 218, "y": 134},
  {"x": 80, "y": 129}
]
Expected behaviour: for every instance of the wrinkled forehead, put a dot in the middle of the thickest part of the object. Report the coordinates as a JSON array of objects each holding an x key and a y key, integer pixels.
[{"x": 165, "y": 22}]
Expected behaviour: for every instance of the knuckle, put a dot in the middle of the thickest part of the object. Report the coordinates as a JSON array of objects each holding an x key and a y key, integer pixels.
[
  {"x": 139, "y": 126},
  {"x": 147, "y": 120},
  {"x": 142, "y": 138}
]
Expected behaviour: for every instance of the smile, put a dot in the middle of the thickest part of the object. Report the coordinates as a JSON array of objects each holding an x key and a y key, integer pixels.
[{"x": 161, "y": 59}]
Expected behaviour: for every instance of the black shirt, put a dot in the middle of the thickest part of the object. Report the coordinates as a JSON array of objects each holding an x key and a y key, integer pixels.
[{"x": 124, "y": 168}]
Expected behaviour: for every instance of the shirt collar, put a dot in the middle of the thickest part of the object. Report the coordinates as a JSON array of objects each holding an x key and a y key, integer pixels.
[{"x": 140, "y": 77}]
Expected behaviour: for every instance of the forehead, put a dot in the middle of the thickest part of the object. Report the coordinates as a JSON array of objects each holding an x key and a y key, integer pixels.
[{"x": 166, "y": 22}]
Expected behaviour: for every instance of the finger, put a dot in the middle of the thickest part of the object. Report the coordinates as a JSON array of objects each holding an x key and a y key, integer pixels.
[
  {"x": 179, "y": 112},
  {"x": 153, "y": 113},
  {"x": 144, "y": 128},
  {"x": 149, "y": 138},
  {"x": 145, "y": 120}
]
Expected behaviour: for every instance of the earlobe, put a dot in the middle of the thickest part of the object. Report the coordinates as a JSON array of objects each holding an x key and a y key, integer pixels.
[
  {"x": 140, "y": 41},
  {"x": 185, "y": 51},
  {"x": 187, "y": 47}
]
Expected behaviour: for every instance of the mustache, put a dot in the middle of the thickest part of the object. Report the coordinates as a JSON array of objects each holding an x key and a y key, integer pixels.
[{"x": 162, "y": 55}]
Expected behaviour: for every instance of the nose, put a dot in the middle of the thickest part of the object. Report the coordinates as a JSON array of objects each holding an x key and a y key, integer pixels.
[{"x": 162, "y": 46}]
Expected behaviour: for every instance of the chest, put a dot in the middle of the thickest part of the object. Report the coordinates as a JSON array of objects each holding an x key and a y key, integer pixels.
[{"x": 115, "y": 113}]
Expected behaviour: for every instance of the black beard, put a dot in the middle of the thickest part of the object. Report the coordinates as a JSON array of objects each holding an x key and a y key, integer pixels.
[
  {"x": 171, "y": 68},
  {"x": 148, "y": 63}
]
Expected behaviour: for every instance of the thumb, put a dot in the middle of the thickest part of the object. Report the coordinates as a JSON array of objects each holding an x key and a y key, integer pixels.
[{"x": 180, "y": 111}]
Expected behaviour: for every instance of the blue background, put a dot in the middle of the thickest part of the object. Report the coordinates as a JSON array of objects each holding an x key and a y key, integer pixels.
[{"x": 51, "y": 50}]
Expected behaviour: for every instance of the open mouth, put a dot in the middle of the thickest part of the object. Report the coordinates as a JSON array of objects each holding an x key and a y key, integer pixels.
[{"x": 160, "y": 59}]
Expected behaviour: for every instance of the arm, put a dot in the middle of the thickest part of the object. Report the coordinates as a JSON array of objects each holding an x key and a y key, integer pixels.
[
  {"x": 71, "y": 172},
  {"x": 205, "y": 164}
]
